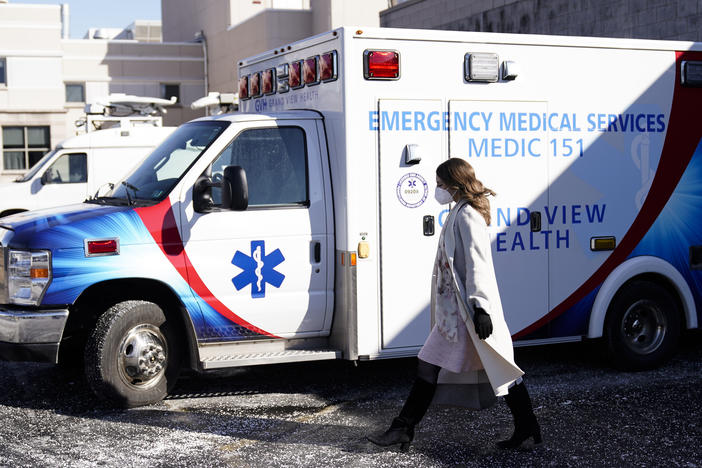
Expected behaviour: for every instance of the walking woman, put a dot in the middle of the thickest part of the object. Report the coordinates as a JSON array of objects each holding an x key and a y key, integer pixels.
[{"x": 469, "y": 347}]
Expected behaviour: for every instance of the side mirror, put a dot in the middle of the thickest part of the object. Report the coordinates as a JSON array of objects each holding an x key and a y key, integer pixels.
[
  {"x": 235, "y": 189},
  {"x": 46, "y": 177},
  {"x": 202, "y": 199}
]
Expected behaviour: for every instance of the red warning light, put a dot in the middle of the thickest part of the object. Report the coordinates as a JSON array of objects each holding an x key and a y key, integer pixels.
[
  {"x": 268, "y": 80},
  {"x": 309, "y": 71},
  {"x": 295, "y": 79},
  {"x": 255, "y": 84},
  {"x": 327, "y": 66},
  {"x": 381, "y": 65},
  {"x": 244, "y": 87}
]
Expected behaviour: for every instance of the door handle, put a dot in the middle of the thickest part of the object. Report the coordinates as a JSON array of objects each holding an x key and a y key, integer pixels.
[
  {"x": 535, "y": 221},
  {"x": 317, "y": 249},
  {"x": 428, "y": 225}
]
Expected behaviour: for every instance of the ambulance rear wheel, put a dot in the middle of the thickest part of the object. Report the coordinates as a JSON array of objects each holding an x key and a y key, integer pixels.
[
  {"x": 132, "y": 358},
  {"x": 643, "y": 326}
]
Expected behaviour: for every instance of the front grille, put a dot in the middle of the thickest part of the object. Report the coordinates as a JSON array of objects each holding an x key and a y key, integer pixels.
[{"x": 3, "y": 277}]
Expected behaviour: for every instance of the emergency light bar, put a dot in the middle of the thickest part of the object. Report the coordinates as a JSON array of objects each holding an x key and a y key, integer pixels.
[
  {"x": 381, "y": 65},
  {"x": 481, "y": 66},
  {"x": 691, "y": 74}
]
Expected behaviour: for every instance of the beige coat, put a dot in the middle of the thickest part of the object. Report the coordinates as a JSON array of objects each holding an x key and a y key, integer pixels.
[{"x": 467, "y": 244}]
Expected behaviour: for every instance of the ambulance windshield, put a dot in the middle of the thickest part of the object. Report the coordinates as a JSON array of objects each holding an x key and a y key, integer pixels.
[{"x": 156, "y": 176}]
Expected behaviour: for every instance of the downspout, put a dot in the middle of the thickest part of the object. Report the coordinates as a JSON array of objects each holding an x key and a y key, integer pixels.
[
  {"x": 200, "y": 37},
  {"x": 65, "y": 25}
]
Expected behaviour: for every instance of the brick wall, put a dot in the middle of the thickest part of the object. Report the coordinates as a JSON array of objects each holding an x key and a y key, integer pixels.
[{"x": 646, "y": 19}]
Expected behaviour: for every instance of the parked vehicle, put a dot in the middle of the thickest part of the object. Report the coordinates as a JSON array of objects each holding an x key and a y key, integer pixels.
[
  {"x": 117, "y": 132},
  {"x": 78, "y": 167},
  {"x": 303, "y": 227}
]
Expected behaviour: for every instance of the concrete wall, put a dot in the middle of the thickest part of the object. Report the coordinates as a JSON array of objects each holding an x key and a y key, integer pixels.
[{"x": 646, "y": 19}]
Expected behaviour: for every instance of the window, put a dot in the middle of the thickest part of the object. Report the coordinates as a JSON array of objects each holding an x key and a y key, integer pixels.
[
  {"x": 169, "y": 90},
  {"x": 275, "y": 161},
  {"x": 67, "y": 169},
  {"x": 154, "y": 178},
  {"x": 3, "y": 71},
  {"x": 23, "y": 146},
  {"x": 75, "y": 92}
]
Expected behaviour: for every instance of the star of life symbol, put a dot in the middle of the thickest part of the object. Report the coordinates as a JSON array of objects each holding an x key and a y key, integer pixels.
[{"x": 259, "y": 269}]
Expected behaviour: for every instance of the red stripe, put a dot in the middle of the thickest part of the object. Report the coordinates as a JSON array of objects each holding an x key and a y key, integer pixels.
[
  {"x": 682, "y": 138},
  {"x": 160, "y": 221}
]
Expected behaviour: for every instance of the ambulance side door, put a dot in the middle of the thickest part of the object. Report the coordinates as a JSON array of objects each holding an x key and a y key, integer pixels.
[{"x": 266, "y": 271}]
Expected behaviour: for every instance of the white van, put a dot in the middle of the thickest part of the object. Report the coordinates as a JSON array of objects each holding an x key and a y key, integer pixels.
[{"x": 80, "y": 166}]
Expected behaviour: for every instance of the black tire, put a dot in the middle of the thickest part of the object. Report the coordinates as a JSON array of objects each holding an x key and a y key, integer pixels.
[
  {"x": 643, "y": 326},
  {"x": 132, "y": 358}
]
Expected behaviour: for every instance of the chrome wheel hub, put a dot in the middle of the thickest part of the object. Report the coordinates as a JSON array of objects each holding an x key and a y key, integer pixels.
[{"x": 143, "y": 356}]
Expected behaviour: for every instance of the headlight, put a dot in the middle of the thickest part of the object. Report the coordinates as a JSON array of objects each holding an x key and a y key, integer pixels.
[{"x": 28, "y": 275}]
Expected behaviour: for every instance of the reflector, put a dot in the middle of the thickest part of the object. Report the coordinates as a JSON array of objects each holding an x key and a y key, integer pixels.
[{"x": 381, "y": 65}]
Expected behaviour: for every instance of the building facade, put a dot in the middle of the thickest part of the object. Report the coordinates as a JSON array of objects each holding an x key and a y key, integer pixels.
[
  {"x": 46, "y": 79},
  {"x": 236, "y": 29},
  {"x": 642, "y": 19}
]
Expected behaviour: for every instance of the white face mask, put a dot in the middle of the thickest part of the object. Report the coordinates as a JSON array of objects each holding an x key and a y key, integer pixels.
[{"x": 443, "y": 196}]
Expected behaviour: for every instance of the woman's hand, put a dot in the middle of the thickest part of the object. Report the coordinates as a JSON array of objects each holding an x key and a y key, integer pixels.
[{"x": 482, "y": 322}]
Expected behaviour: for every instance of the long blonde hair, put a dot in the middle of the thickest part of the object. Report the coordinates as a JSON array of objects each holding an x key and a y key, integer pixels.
[{"x": 459, "y": 177}]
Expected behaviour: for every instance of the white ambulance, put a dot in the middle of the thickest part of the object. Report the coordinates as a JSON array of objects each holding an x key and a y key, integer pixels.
[
  {"x": 305, "y": 228},
  {"x": 115, "y": 135}
]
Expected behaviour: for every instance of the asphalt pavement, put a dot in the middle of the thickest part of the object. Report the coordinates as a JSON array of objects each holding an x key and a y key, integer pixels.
[{"x": 317, "y": 414}]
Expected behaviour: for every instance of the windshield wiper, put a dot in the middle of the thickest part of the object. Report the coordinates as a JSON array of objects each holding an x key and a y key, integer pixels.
[{"x": 129, "y": 186}]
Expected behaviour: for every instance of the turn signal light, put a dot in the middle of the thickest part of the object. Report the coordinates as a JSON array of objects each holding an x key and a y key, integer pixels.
[
  {"x": 381, "y": 65},
  {"x": 602, "y": 243}
]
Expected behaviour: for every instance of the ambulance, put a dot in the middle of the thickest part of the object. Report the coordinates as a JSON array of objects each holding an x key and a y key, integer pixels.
[
  {"x": 304, "y": 226},
  {"x": 115, "y": 134}
]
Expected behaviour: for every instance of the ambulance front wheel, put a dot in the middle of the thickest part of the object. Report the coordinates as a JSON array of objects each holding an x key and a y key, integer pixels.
[
  {"x": 643, "y": 326},
  {"x": 132, "y": 358}
]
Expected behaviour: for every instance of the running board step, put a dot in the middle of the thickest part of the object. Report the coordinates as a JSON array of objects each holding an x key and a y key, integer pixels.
[{"x": 276, "y": 357}]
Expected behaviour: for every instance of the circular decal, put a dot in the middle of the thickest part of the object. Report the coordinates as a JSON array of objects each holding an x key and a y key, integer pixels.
[{"x": 412, "y": 190}]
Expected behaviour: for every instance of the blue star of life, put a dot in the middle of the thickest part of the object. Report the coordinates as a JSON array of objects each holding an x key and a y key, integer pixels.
[{"x": 259, "y": 269}]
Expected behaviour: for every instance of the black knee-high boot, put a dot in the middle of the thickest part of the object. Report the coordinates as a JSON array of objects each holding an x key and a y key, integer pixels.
[
  {"x": 401, "y": 429},
  {"x": 525, "y": 423}
]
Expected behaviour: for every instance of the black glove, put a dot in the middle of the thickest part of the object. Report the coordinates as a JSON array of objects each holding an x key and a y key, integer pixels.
[{"x": 482, "y": 322}]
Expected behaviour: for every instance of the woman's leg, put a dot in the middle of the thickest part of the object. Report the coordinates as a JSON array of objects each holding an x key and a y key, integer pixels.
[
  {"x": 401, "y": 429},
  {"x": 525, "y": 424}
]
